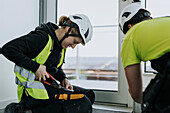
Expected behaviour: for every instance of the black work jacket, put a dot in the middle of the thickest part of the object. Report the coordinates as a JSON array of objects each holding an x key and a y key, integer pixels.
[{"x": 22, "y": 50}]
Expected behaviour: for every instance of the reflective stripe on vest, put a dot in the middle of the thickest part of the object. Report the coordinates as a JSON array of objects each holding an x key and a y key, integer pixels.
[
  {"x": 26, "y": 79},
  {"x": 62, "y": 57},
  {"x": 29, "y": 84}
]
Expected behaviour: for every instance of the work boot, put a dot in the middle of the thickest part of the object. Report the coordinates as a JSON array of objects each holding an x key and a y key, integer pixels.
[{"x": 14, "y": 108}]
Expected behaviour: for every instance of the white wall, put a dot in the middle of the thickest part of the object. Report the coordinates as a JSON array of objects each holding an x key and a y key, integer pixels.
[{"x": 18, "y": 17}]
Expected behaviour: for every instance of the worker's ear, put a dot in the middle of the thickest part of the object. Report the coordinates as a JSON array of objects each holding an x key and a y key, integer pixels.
[{"x": 130, "y": 25}]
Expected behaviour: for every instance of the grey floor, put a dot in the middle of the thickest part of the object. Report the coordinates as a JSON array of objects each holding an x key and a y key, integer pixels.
[
  {"x": 107, "y": 111},
  {"x": 2, "y": 111},
  {"x": 94, "y": 111}
]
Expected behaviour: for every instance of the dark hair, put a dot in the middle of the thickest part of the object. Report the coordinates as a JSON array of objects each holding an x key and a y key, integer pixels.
[
  {"x": 138, "y": 17},
  {"x": 64, "y": 20}
]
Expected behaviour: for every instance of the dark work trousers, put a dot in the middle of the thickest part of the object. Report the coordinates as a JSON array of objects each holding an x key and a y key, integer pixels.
[
  {"x": 53, "y": 105},
  {"x": 156, "y": 97}
]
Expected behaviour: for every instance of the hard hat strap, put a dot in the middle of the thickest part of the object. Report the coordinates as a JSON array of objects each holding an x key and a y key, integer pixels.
[
  {"x": 71, "y": 25},
  {"x": 139, "y": 17},
  {"x": 66, "y": 35}
]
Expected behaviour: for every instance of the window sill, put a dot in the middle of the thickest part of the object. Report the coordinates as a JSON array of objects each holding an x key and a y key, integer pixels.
[{"x": 107, "y": 108}]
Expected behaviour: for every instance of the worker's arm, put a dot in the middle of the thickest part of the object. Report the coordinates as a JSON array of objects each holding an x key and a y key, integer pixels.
[
  {"x": 67, "y": 84},
  {"x": 22, "y": 50},
  {"x": 60, "y": 76},
  {"x": 134, "y": 79}
]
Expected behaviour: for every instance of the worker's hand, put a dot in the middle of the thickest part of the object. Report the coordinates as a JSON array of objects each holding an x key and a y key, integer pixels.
[
  {"x": 67, "y": 84},
  {"x": 41, "y": 73}
]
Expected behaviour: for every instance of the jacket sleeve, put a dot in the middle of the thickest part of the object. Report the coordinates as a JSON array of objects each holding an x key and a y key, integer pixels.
[
  {"x": 60, "y": 75},
  {"x": 22, "y": 50},
  {"x": 57, "y": 73}
]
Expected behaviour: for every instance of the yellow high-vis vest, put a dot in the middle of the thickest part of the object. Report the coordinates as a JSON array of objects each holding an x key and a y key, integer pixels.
[{"x": 26, "y": 78}]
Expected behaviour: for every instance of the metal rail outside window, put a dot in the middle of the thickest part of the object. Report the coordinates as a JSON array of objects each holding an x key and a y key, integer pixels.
[
  {"x": 77, "y": 55},
  {"x": 42, "y": 11}
]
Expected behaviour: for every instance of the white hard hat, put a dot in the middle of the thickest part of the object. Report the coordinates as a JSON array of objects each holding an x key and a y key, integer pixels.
[
  {"x": 128, "y": 12},
  {"x": 84, "y": 25}
]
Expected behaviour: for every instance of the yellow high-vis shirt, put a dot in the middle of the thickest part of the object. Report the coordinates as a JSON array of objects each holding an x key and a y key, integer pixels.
[{"x": 146, "y": 40}]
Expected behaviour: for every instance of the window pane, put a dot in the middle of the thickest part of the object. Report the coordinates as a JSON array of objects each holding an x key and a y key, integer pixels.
[
  {"x": 96, "y": 63},
  {"x": 100, "y": 12},
  {"x": 100, "y": 57}
]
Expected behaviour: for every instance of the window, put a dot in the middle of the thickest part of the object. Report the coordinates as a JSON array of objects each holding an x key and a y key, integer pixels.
[
  {"x": 97, "y": 62},
  {"x": 98, "y": 65}
]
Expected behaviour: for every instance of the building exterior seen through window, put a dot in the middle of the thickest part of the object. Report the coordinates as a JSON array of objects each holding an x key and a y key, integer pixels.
[
  {"x": 99, "y": 66},
  {"x": 97, "y": 62}
]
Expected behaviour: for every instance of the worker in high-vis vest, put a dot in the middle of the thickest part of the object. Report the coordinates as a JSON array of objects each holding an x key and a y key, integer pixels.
[
  {"x": 146, "y": 39},
  {"x": 38, "y": 57}
]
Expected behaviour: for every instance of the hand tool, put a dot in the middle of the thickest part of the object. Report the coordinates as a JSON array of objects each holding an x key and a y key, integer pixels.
[{"x": 55, "y": 84}]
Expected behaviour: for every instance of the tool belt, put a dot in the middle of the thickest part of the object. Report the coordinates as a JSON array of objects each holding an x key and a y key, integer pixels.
[
  {"x": 68, "y": 96},
  {"x": 156, "y": 96},
  {"x": 62, "y": 93}
]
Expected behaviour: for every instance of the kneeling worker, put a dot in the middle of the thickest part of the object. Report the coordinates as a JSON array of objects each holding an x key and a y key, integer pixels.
[{"x": 38, "y": 58}]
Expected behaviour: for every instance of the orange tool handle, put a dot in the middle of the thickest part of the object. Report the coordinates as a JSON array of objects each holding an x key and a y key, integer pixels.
[
  {"x": 50, "y": 76},
  {"x": 45, "y": 82}
]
